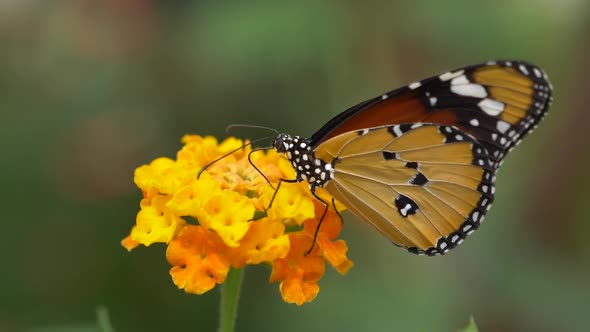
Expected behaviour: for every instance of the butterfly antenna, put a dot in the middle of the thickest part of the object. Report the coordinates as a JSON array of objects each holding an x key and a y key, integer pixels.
[
  {"x": 256, "y": 168},
  {"x": 204, "y": 168},
  {"x": 239, "y": 125}
]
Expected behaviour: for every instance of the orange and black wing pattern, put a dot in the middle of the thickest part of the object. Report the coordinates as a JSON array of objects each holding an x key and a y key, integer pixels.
[
  {"x": 424, "y": 186},
  {"x": 497, "y": 103},
  {"x": 418, "y": 163}
]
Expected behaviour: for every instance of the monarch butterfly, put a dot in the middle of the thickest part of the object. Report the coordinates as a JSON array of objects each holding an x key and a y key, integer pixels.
[{"x": 419, "y": 163}]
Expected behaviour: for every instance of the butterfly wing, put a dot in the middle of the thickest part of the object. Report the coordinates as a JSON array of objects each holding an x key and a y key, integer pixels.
[
  {"x": 498, "y": 103},
  {"x": 424, "y": 186}
]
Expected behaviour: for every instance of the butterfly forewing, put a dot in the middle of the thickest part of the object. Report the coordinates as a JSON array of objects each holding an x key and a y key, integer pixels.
[
  {"x": 497, "y": 103},
  {"x": 424, "y": 186}
]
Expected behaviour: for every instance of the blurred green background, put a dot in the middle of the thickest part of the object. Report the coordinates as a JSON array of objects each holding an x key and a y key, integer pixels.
[{"x": 91, "y": 89}]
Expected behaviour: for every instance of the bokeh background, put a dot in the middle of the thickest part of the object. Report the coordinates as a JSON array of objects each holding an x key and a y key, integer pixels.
[{"x": 91, "y": 89}]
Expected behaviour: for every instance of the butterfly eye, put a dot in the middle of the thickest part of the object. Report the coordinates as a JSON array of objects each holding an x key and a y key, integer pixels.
[{"x": 280, "y": 143}]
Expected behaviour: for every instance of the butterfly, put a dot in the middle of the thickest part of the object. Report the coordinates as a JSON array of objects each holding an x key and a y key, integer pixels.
[{"x": 419, "y": 163}]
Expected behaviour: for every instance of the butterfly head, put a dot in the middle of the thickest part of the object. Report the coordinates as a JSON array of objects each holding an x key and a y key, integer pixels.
[
  {"x": 307, "y": 167},
  {"x": 282, "y": 143}
]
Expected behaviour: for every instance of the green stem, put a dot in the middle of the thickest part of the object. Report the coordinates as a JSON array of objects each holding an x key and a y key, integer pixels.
[
  {"x": 104, "y": 322},
  {"x": 230, "y": 294}
]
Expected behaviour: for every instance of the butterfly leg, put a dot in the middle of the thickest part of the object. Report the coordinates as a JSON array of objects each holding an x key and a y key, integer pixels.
[
  {"x": 274, "y": 195},
  {"x": 317, "y": 229},
  {"x": 337, "y": 212}
]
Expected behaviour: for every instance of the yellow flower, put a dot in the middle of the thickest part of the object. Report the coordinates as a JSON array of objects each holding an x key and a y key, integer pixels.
[
  {"x": 228, "y": 202},
  {"x": 156, "y": 223},
  {"x": 228, "y": 214},
  {"x": 292, "y": 204},
  {"x": 265, "y": 241},
  {"x": 189, "y": 200},
  {"x": 164, "y": 175}
]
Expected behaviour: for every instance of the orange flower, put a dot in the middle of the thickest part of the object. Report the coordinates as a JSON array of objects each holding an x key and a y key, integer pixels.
[
  {"x": 198, "y": 258},
  {"x": 298, "y": 271},
  {"x": 224, "y": 201},
  {"x": 333, "y": 251}
]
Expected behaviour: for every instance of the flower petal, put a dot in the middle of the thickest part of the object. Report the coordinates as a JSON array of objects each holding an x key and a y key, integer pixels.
[
  {"x": 155, "y": 223},
  {"x": 333, "y": 251},
  {"x": 189, "y": 200},
  {"x": 228, "y": 213},
  {"x": 128, "y": 243},
  {"x": 298, "y": 271},
  {"x": 198, "y": 259},
  {"x": 165, "y": 175},
  {"x": 292, "y": 203},
  {"x": 264, "y": 242}
]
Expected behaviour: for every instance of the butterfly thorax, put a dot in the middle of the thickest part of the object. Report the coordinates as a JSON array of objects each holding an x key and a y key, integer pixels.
[{"x": 300, "y": 154}]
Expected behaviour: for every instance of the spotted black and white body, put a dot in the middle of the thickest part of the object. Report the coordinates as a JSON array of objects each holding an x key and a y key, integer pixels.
[
  {"x": 307, "y": 167},
  {"x": 418, "y": 163}
]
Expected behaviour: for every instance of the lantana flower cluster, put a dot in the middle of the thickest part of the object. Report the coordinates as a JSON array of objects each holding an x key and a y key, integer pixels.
[{"x": 217, "y": 221}]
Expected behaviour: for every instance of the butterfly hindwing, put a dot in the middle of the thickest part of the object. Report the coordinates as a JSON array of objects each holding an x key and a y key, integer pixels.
[
  {"x": 424, "y": 186},
  {"x": 498, "y": 103}
]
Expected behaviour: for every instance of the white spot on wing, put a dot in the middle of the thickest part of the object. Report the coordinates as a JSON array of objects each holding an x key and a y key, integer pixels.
[
  {"x": 523, "y": 69},
  {"x": 460, "y": 80},
  {"x": 397, "y": 131},
  {"x": 450, "y": 75},
  {"x": 537, "y": 72},
  {"x": 502, "y": 126},
  {"x": 475, "y": 215},
  {"x": 470, "y": 90},
  {"x": 474, "y": 122},
  {"x": 491, "y": 107},
  {"x": 405, "y": 210},
  {"x": 414, "y": 85},
  {"x": 433, "y": 101}
]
